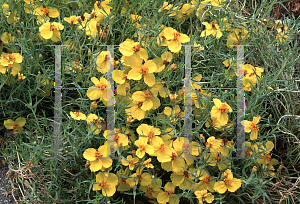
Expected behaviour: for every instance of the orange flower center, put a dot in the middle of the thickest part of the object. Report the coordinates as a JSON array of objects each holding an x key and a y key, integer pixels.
[
  {"x": 16, "y": 126},
  {"x": 103, "y": 184},
  {"x": 53, "y": 27},
  {"x": 219, "y": 158},
  {"x": 98, "y": 154},
  {"x": 176, "y": 36},
  {"x": 77, "y": 113},
  {"x": 73, "y": 20},
  {"x": 169, "y": 193},
  {"x": 161, "y": 148},
  {"x": 10, "y": 57},
  {"x": 213, "y": 25},
  {"x": 131, "y": 164},
  {"x": 268, "y": 157},
  {"x": 173, "y": 156},
  {"x": 149, "y": 191},
  {"x": 254, "y": 127},
  {"x": 223, "y": 108},
  {"x": 123, "y": 180},
  {"x": 148, "y": 96},
  {"x": 144, "y": 70},
  {"x": 140, "y": 178},
  {"x": 140, "y": 104},
  {"x": 151, "y": 135},
  {"x": 117, "y": 137},
  {"x": 45, "y": 11},
  {"x": 206, "y": 180},
  {"x": 248, "y": 152},
  {"x": 142, "y": 147},
  {"x": 136, "y": 48},
  {"x": 166, "y": 62},
  {"x": 228, "y": 181},
  {"x": 186, "y": 174},
  {"x": 101, "y": 86},
  {"x": 95, "y": 121}
]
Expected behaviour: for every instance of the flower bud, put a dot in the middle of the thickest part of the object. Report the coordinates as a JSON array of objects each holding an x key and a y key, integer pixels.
[
  {"x": 93, "y": 105},
  {"x": 133, "y": 153},
  {"x": 172, "y": 67}
]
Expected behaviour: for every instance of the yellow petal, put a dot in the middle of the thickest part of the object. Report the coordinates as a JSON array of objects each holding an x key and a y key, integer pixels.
[
  {"x": 9, "y": 124},
  {"x": 220, "y": 187},
  {"x": 89, "y": 154},
  {"x": 96, "y": 165},
  {"x": 21, "y": 121},
  {"x": 149, "y": 79},
  {"x": 134, "y": 74},
  {"x": 53, "y": 13}
]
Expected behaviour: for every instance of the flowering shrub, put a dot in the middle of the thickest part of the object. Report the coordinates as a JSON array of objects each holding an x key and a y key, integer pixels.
[{"x": 149, "y": 161}]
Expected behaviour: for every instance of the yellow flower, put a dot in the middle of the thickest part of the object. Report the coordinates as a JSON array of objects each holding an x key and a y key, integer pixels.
[
  {"x": 135, "y": 110},
  {"x": 91, "y": 28},
  {"x": 51, "y": 31},
  {"x": 120, "y": 139},
  {"x": 45, "y": 86},
  {"x": 211, "y": 29},
  {"x": 16, "y": 126},
  {"x": 215, "y": 158},
  {"x": 213, "y": 144},
  {"x": 106, "y": 183},
  {"x": 173, "y": 38},
  {"x": 72, "y": 20},
  {"x": 165, "y": 7},
  {"x": 162, "y": 151},
  {"x": 168, "y": 194},
  {"x": 21, "y": 77},
  {"x": 176, "y": 115},
  {"x": 203, "y": 196},
  {"x": 131, "y": 161},
  {"x": 78, "y": 115},
  {"x": 177, "y": 164},
  {"x": 220, "y": 111},
  {"x": 143, "y": 147},
  {"x": 44, "y": 14},
  {"x": 251, "y": 126},
  {"x": 99, "y": 90},
  {"x": 153, "y": 189},
  {"x": 237, "y": 37},
  {"x": 197, "y": 47},
  {"x": 264, "y": 153},
  {"x": 147, "y": 163},
  {"x": 146, "y": 71},
  {"x": 123, "y": 82},
  {"x": 96, "y": 123},
  {"x": 144, "y": 179},
  {"x": 97, "y": 158},
  {"x": 283, "y": 34},
  {"x": 149, "y": 132},
  {"x": 228, "y": 183},
  {"x": 213, "y": 2},
  {"x": 148, "y": 100},
  {"x": 205, "y": 183},
  {"x": 134, "y": 54},
  {"x": 10, "y": 59},
  {"x": 161, "y": 88},
  {"x": 73, "y": 67},
  {"x": 123, "y": 177},
  {"x": 102, "y": 61},
  {"x": 7, "y": 38},
  {"x": 102, "y": 10},
  {"x": 183, "y": 179}
]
